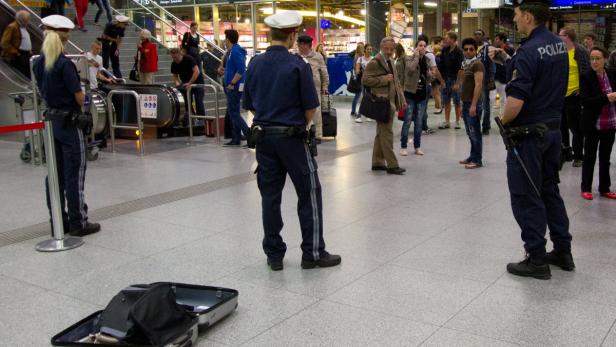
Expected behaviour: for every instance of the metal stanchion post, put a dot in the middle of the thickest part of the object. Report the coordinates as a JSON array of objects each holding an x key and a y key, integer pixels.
[
  {"x": 59, "y": 242},
  {"x": 113, "y": 122},
  {"x": 189, "y": 101},
  {"x": 36, "y": 141}
]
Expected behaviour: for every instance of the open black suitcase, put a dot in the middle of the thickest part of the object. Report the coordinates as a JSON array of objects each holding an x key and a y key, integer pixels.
[{"x": 210, "y": 304}]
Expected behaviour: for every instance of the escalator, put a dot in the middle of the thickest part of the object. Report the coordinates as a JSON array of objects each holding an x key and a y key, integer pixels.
[
  {"x": 170, "y": 108},
  {"x": 12, "y": 80}
]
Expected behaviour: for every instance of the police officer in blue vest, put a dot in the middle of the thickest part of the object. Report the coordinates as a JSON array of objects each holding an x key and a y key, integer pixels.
[
  {"x": 280, "y": 91},
  {"x": 535, "y": 98},
  {"x": 59, "y": 84}
]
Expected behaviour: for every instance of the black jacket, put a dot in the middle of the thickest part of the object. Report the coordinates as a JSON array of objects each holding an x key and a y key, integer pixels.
[
  {"x": 593, "y": 98},
  {"x": 582, "y": 58}
]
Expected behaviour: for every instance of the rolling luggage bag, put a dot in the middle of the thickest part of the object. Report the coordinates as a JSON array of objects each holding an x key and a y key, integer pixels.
[
  {"x": 329, "y": 118},
  {"x": 208, "y": 304},
  {"x": 210, "y": 128}
]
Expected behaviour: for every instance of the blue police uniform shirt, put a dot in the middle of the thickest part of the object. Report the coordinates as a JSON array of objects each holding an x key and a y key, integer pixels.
[
  {"x": 58, "y": 86},
  {"x": 236, "y": 63},
  {"x": 539, "y": 72},
  {"x": 279, "y": 88}
]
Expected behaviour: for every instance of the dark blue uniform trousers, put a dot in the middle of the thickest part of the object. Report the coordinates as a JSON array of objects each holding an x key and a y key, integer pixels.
[
  {"x": 278, "y": 155},
  {"x": 541, "y": 156},
  {"x": 70, "y": 146}
]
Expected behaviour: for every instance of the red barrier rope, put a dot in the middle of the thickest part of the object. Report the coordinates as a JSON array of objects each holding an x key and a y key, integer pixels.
[{"x": 21, "y": 127}]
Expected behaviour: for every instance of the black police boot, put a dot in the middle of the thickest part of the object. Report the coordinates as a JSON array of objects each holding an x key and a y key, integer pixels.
[
  {"x": 326, "y": 260},
  {"x": 526, "y": 268},
  {"x": 563, "y": 260},
  {"x": 275, "y": 265},
  {"x": 89, "y": 228}
]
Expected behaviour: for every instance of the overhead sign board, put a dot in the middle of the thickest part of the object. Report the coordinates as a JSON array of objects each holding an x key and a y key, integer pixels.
[{"x": 486, "y": 4}]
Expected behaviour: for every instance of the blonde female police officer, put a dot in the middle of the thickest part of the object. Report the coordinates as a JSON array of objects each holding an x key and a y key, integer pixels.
[
  {"x": 280, "y": 90},
  {"x": 59, "y": 84},
  {"x": 535, "y": 98}
]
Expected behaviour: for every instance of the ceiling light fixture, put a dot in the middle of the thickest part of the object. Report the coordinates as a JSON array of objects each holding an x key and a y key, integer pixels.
[{"x": 430, "y": 4}]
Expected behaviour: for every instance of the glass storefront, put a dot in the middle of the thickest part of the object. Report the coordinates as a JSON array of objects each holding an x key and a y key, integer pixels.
[{"x": 339, "y": 26}]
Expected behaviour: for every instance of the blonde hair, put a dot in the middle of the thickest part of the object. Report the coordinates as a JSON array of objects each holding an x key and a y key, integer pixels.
[
  {"x": 359, "y": 51},
  {"x": 53, "y": 46}
]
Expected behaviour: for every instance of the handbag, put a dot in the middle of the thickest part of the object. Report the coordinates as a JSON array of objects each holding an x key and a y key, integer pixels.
[
  {"x": 375, "y": 107},
  {"x": 133, "y": 75},
  {"x": 402, "y": 113},
  {"x": 354, "y": 85}
]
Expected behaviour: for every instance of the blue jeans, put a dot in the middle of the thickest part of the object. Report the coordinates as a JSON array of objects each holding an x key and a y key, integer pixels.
[
  {"x": 239, "y": 124},
  {"x": 103, "y": 5},
  {"x": 485, "y": 96},
  {"x": 473, "y": 130},
  {"x": 417, "y": 118},
  {"x": 355, "y": 100}
]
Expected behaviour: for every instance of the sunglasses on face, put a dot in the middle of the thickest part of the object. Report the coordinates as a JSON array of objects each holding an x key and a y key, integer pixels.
[
  {"x": 469, "y": 49},
  {"x": 596, "y": 58}
]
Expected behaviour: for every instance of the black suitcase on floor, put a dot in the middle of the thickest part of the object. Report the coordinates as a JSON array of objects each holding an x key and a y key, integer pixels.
[
  {"x": 208, "y": 304},
  {"x": 329, "y": 118}
]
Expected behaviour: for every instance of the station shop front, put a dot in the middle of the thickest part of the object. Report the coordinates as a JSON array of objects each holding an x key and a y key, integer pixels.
[{"x": 339, "y": 25}]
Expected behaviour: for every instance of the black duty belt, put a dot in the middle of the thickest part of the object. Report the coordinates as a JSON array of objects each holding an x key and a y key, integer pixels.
[
  {"x": 553, "y": 125},
  {"x": 57, "y": 114},
  {"x": 281, "y": 130}
]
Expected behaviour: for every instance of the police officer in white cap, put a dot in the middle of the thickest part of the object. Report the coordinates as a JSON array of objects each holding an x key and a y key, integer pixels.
[
  {"x": 279, "y": 89},
  {"x": 59, "y": 84},
  {"x": 112, "y": 39}
]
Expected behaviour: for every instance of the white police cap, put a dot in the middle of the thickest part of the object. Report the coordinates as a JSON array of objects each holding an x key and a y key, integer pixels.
[
  {"x": 285, "y": 20},
  {"x": 122, "y": 19},
  {"x": 57, "y": 22}
]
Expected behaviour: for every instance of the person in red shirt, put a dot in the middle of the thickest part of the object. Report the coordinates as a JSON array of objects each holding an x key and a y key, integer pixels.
[{"x": 147, "y": 57}]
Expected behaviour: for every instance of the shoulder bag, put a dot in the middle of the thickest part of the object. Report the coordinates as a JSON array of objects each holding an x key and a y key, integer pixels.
[{"x": 375, "y": 107}]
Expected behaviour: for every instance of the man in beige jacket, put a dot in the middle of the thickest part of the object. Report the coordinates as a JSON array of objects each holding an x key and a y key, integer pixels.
[
  {"x": 319, "y": 75},
  {"x": 380, "y": 77}
]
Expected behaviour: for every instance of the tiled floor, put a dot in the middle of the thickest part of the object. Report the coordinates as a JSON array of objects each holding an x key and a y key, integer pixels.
[{"x": 424, "y": 254}]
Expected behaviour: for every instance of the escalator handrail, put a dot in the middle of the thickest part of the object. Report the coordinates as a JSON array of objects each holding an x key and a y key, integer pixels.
[
  {"x": 79, "y": 50},
  {"x": 162, "y": 44},
  {"x": 181, "y": 22},
  {"x": 172, "y": 28}
]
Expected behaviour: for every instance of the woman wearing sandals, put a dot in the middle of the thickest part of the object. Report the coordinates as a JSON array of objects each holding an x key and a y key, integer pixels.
[
  {"x": 598, "y": 96},
  {"x": 412, "y": 72}
]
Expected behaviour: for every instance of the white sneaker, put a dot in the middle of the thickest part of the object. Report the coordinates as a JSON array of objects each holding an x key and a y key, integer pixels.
[
  {"x": 369, "y": 119},
  {"x": 418, "y": 151},
  {"x": 404, "y": 152}
]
